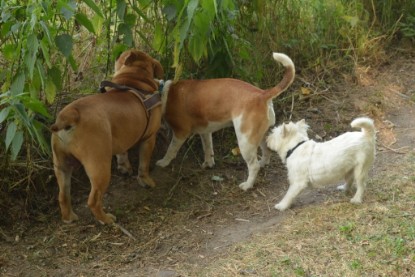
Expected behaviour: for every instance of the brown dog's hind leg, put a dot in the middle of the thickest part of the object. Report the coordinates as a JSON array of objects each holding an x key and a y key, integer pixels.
[
  {"x": 63, "y": 172},
  {"x": 63, "y": 176},
  {"x": 99, "y": 173},
  {"x": 146, "y": 150}
]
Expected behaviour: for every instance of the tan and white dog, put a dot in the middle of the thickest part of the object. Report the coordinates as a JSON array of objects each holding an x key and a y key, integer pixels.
[
  {"x": 347, "y": 157},
  {"x": 92, "y": 129},
  {"x": 205, "y": 106}
]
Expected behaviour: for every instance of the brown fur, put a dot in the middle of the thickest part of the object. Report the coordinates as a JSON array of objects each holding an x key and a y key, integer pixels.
[{"x": 94, "y": 128}]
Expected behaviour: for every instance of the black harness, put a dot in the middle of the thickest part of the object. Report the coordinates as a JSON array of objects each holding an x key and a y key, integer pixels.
[
  {"x": 292, "y": 149},
  {"x": 149, "y": 99}
]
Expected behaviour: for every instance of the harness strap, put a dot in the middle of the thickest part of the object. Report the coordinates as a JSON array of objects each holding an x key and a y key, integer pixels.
[
  {"x": 149, "y": 100},
  {"x": 292, "y": 149}
]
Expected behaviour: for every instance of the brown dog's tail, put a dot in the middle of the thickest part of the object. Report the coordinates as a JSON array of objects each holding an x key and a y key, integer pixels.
[
  {"x": 66, "y": 120},
  {"x": 288, "y": 75}
]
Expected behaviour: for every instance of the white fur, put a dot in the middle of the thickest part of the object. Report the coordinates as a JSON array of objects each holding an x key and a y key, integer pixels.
[
  {"x": 282, "y": 58},
  {"x": 347, "y": 157}
]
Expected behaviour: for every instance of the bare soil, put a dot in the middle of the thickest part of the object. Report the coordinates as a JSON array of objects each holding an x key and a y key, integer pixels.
[{"x": 193, "y": 216}]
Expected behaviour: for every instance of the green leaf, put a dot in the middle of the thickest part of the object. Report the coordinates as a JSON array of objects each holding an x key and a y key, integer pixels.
[
  {"x": 64, "y": 43},
  {"x": 140, "y": 13},
  {"x": 11, "y": 132},
  {"x": 130, "y": 19},
  {"x": 46, "y": 31},
  {"x": 16, "y": 144},
  {"x": 50, "y": 91},
  {"x": 67, "y": 9},
  {"x": 94, "y": 7},
  {"x": 121, "y": 7},
  {"x": 45, "y": 51},
  {"x": 56, "y": 75},
  {"x": 84, "y": 21},
  {"x": 18, "y": 84},
  {"x": 4, "y": 113},
  {"x": 197, "y": 47},
  {"x": 35, "y": 106},
  {"x": 31, "y": 55},
  {"x": 191, "y": 7},
  {"x": 72, "y": 62},
  {"x": 125, "y": 30},
  {"x": 159, "y": 37},
  {"x": 9, "y": 52}
]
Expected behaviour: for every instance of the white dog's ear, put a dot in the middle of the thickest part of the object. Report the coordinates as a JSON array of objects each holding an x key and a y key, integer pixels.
[
  {"x": 284, "y": 130},
  {"x": 302, "y": 124}
]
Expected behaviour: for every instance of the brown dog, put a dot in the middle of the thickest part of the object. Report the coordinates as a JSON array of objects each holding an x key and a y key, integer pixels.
[
  {"x": 205, "y": 106},
  {"x": 92, "y": 129}
]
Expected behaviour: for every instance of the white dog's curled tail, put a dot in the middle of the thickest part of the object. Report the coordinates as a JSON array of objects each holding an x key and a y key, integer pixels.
[{"x": 366, "y": 124}]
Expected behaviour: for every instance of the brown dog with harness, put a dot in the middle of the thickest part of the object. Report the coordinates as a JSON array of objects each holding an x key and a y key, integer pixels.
[{"x": 92, "y": 129}]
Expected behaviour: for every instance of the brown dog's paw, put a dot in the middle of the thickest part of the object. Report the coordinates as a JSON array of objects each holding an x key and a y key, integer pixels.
[
  {"x": 71, "y": 218},
  {"x": 146, "y": 182},
  {"x": 107, "y": 219}
]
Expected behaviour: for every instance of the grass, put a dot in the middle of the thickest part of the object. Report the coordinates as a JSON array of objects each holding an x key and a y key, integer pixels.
[{"x": 335, "y": 238}]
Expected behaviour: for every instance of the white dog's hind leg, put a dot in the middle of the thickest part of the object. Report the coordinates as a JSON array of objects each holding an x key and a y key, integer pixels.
[
  {"x": 171, "y": 153},
  {"x": 123, "y": 164},
  {"x": 360, "y": 178},
  {"x": 293, "y": 191},
  {"x": 208, "y": 150},
  {"x": 347, "y": 186},
  {"x": 361, "y": 185}
]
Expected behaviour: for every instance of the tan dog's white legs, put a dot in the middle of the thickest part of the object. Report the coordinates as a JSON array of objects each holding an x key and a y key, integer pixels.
[
  {"x": 171, "y": 153},
  {"x": 123, "y": 164},
  {"x": 293, "y": 191},
  {"x": 249, "y": 153},
  {"x": 208, "y": 150}
]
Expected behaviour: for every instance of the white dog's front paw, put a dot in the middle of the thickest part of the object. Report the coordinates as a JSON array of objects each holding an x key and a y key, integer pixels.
[
  {"x": 163, "y": 163},
  {"x": 356, "y": 200},
  {"x": 245, "y": 186},
  {"x": 280, "y": 206},
  {"x": 208, "y": 164}
]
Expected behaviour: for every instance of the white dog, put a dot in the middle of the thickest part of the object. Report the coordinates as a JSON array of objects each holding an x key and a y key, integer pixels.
[{"x": 347, "y": 157}]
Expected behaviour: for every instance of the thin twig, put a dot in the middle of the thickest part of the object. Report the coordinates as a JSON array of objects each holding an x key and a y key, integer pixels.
[
  {"x": 395, "y": 150},
  {"x": 125, "y": 231}
]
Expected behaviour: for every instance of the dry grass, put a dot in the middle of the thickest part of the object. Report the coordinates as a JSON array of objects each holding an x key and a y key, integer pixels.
[{"x": 336, "y": 239}]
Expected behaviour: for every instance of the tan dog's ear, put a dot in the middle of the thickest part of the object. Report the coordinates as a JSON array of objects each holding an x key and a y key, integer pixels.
[
  {"x": 131, "y": 58},
  {"x": 158, "y": 69}
]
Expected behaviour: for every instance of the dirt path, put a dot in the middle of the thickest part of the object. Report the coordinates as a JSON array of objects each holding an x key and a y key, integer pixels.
[{"x": 191, "y": 218}]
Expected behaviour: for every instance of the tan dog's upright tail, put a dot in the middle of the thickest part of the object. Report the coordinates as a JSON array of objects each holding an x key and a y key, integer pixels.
[
  {"x": 288, "y": 75},
  {"x": 66, "y": 119},
  {"x": 366, "y": 124}
]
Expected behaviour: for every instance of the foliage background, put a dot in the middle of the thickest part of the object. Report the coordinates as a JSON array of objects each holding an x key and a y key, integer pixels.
[{"x": 55, "y": 51}]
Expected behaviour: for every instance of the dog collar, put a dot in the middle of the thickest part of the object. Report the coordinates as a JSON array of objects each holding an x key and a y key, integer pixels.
[{"x": 292, "y": 149}]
